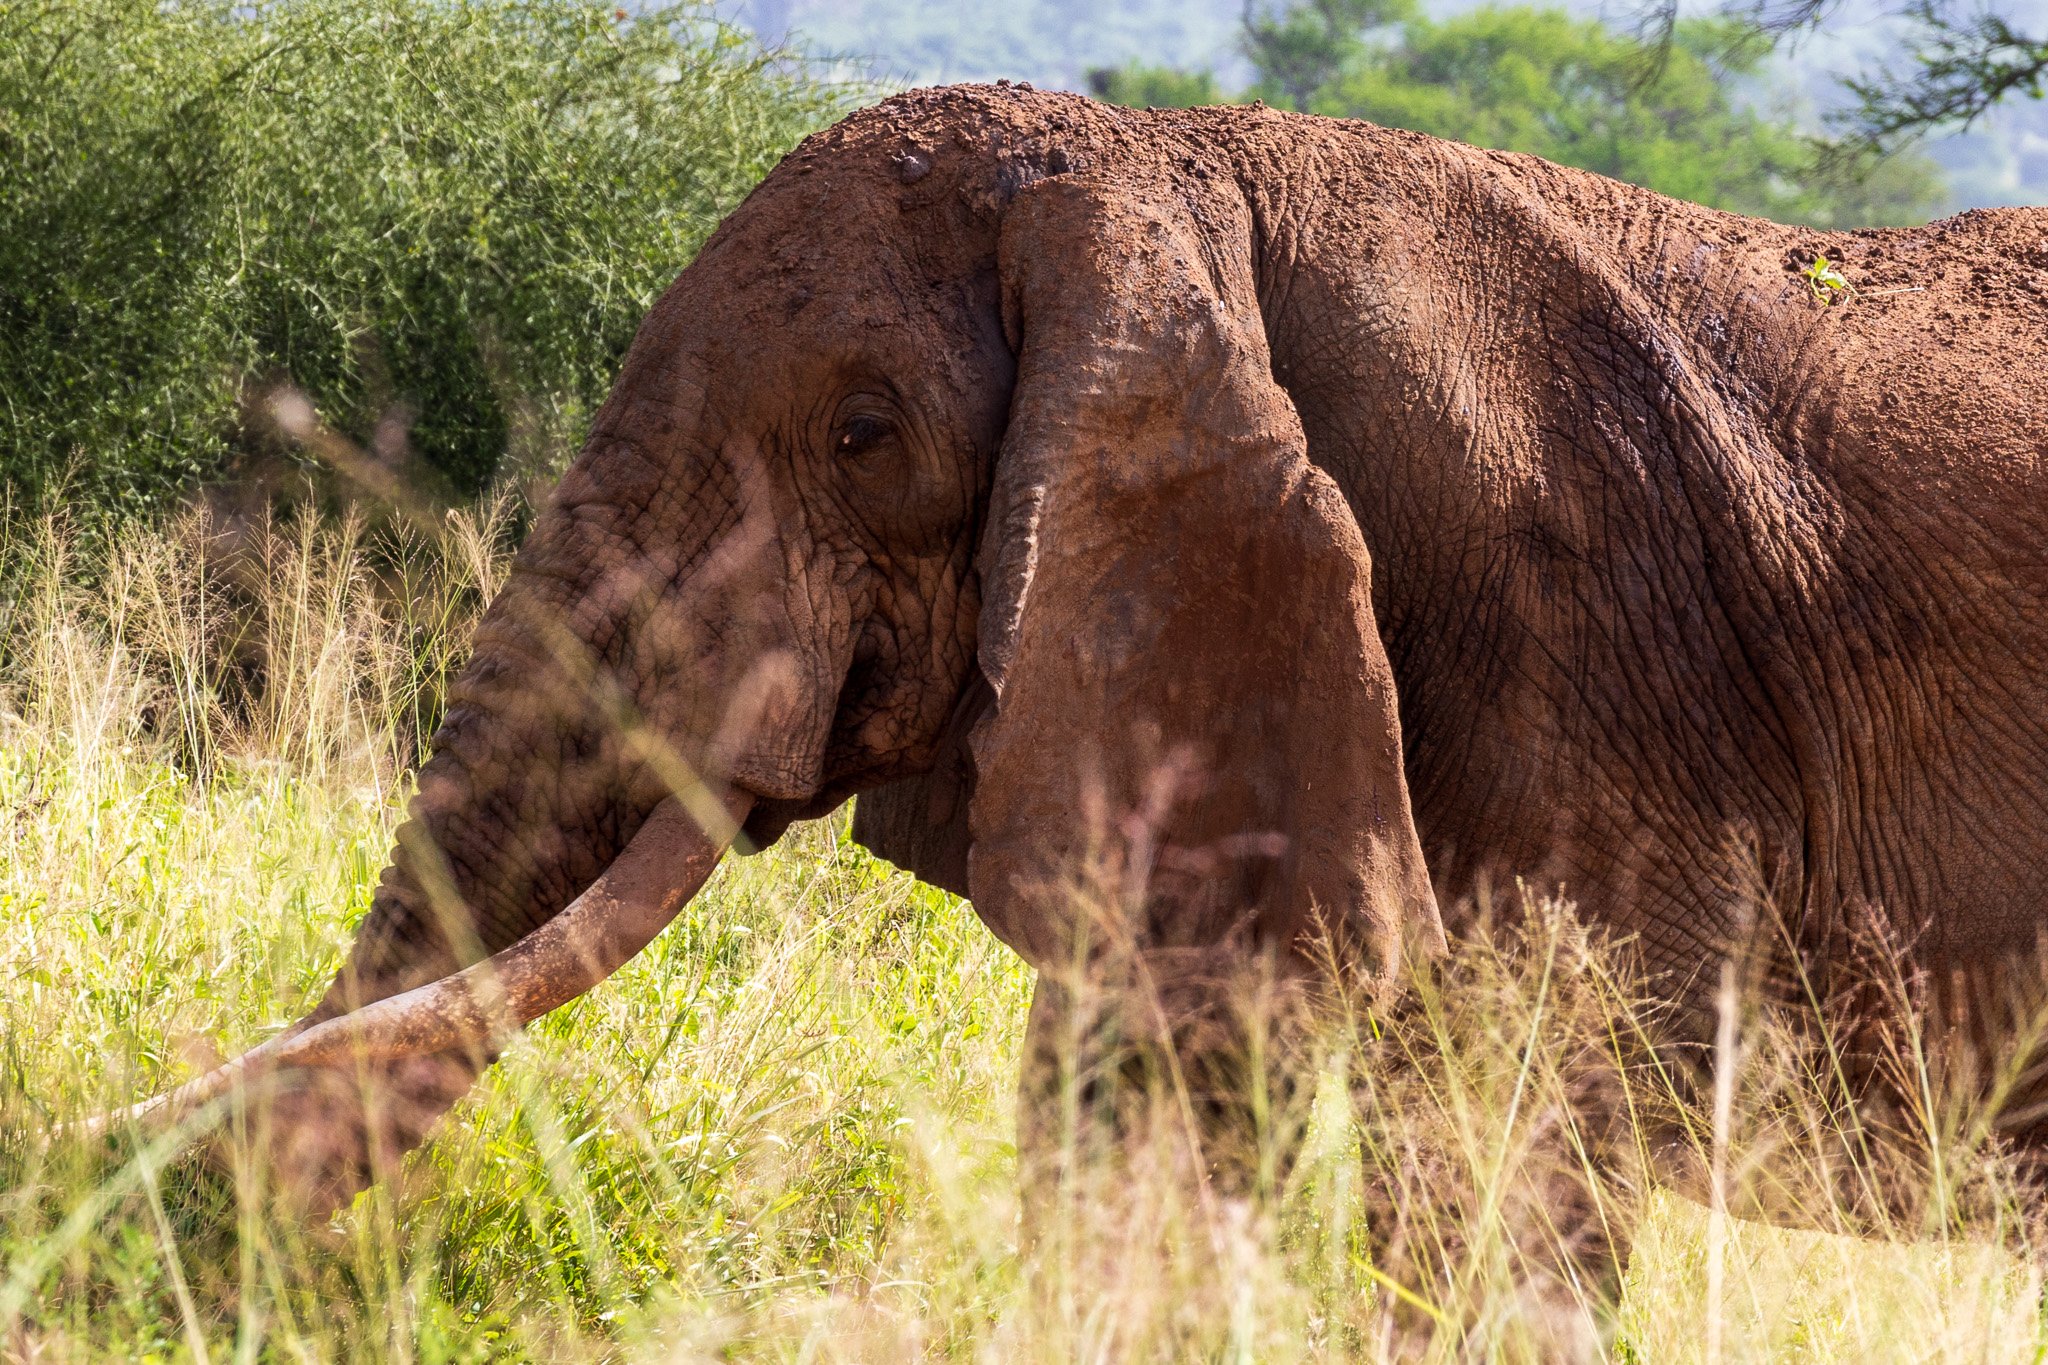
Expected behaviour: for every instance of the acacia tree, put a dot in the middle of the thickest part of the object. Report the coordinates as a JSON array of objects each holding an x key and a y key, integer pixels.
[
  {"x": 1955, "y": 65},
  {"x": 1301, "y": 47},
  {"x": 442, "y": 221}
]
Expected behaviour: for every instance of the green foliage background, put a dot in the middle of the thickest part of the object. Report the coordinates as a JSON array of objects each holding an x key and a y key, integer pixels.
[{"x": 444, "y": 217}]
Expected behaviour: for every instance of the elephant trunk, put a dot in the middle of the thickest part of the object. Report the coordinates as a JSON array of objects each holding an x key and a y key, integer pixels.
[
  {"x": 524, "y": 802},
  {"x": 532, "y": 793},
  {"x": 633, "y": 690},
  {"x": 640, "y": 651}
]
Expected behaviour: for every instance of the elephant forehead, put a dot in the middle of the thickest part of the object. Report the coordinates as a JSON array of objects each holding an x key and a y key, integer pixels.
[
  {"x": 845, "y": 275},
  {"x": 794, "y": 224},
  {"x": 826, "y": 218}
]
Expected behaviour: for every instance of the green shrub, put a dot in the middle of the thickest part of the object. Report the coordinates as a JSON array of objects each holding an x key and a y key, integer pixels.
[
  {"x": 1155, "y": 87},
  {"x": 442, "y": 219}
]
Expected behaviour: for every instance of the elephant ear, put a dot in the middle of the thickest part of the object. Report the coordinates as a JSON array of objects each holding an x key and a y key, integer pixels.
[{"x": 1188, "y": 683}]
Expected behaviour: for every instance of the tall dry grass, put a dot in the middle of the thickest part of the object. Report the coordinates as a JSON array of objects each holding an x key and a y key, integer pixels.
[
  {"x": 314, "y": 644},
  {"x": 786, "y": 1131}
]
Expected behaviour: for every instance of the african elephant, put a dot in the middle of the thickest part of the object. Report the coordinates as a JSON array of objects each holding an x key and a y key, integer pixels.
[{"x": 1432, "y": 515}]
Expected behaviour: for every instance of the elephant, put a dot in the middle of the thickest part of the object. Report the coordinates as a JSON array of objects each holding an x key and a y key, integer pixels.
[{"x": 1308, "y": 522}]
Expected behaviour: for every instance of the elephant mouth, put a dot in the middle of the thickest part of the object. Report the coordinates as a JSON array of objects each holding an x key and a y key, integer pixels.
[
  {"x": 770, "y": 820},
  {"x": 848, "y": 765}
]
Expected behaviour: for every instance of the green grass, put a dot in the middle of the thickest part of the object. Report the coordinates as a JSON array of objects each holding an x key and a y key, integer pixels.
[{"x": 786, "y": 1131}]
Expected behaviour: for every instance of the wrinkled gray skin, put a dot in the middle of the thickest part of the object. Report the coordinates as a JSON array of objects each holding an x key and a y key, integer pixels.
[{"x": 1678, "y": 580}]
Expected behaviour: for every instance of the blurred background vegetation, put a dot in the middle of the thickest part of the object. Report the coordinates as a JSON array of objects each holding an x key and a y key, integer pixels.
[
  {"x": 1576, "y": 90},
  {"x": 442, "y": 220},
  {"x": 1961, "y": 76}
]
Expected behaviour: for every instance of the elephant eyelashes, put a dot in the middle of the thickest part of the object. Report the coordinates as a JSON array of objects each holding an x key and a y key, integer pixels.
[{"x": 860, "y": 435}]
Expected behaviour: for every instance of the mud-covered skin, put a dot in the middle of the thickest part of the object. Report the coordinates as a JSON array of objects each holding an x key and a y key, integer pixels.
[
  {"x": 1659, "y": 561},
  {"x": 1676, "y": 563},
  {"x": 1671, "y": 562}
]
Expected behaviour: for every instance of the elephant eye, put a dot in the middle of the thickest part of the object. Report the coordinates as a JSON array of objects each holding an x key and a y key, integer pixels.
[{"x": 859, "y": 435}]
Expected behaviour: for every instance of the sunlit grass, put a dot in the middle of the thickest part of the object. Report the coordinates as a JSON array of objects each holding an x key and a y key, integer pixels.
[{"x": 786, "y": 1132}]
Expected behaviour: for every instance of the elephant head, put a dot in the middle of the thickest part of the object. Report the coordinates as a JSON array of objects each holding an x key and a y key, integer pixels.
[{"x": 952, "y": 472}]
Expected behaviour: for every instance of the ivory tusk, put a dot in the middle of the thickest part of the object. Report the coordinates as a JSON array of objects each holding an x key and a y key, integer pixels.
[{"x": 633, "y": 900}]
